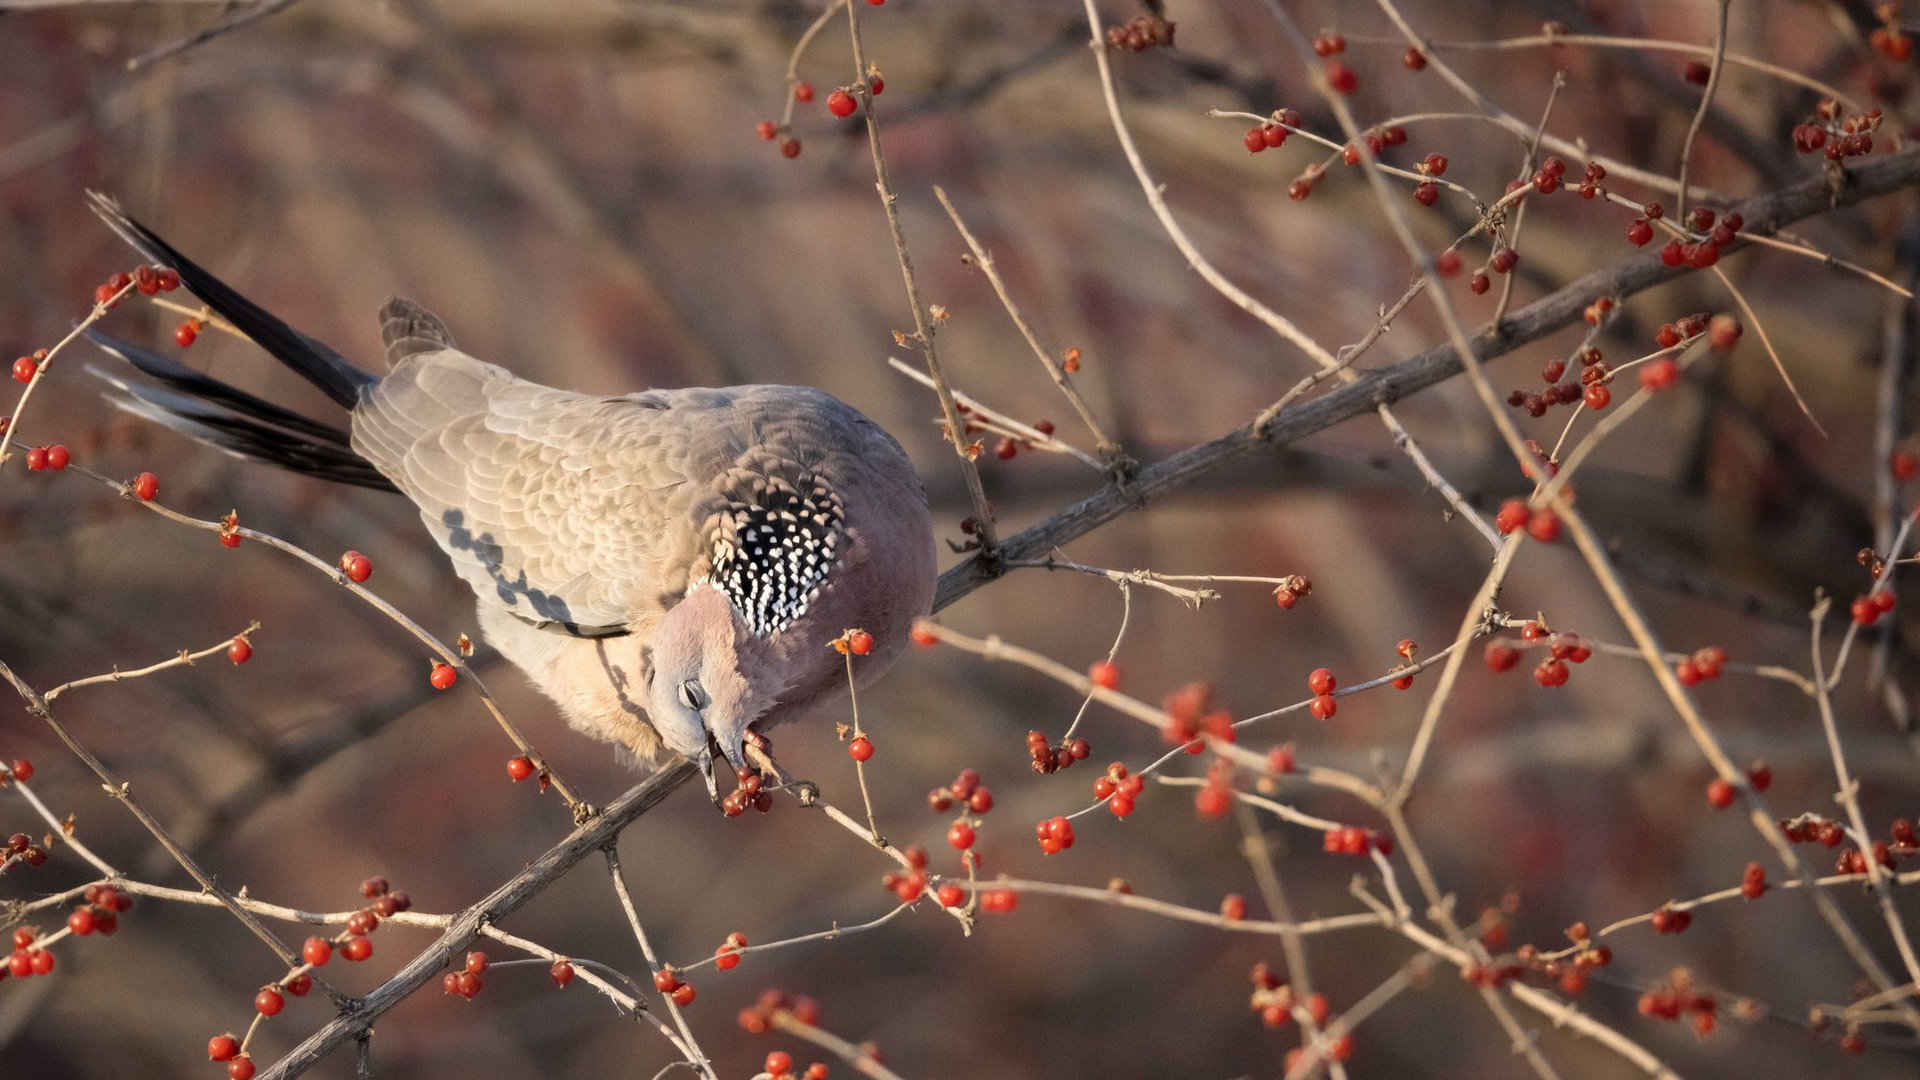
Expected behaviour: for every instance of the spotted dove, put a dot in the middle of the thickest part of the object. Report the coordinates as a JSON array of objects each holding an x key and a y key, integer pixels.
[{"x": 669, "y": 566}]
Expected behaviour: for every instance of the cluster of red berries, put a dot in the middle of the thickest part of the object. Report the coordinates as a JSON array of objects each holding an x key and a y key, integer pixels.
[
  {"x": 1119, "y": 789},
  {"x": 1354, "y": 840},
  {"x": 1290, "y": 590},
  {"x": 1703, "y": 665},
  {"x": 911, "y": 885},
  {"x": 1677, "y": 996},
  {"x": 1189, "y": 711},
  {"x": 726, "y": 956},
  {"x": 1376, "y": 141},
  {"x": 1591, "y": 386},
  {"x": 26, "y": 960},
  {"x": 757, "y": 1019},
  {"x": 668, "y": 982},
  {"x": 1670, "y": 920},
  {"x": 25, "y": 368},
  {"x": 1049, "y": 759},
  {"x": 1866, "y": 610},
  {"x": 467, "y": 980},
  {"x": 779, "y": 1064},
  {"x": 966, "y": 789},
  {"x": 43, "y": 458},
  {"x": 747, "y": 792},
  {"x": 1705, "y": 251},
  {"x": 1339, "y": 76},
  {"x": 1892, "y": 43},
  {"x": 1274, "y": 1000},
  {"x": 1543, "y": 525},
  {"x": 356, "y": 566},
  {"x": 1140, "y": 33},
  {"x": 1054, "y": 835},
  {"x": 1571, "y": 977},
  {"x": 1842, "y": 136},
  {"x": 1562, "y": 649},
  {"x": 100, "y": 914},
  {"x": 1270, "y": 136}
]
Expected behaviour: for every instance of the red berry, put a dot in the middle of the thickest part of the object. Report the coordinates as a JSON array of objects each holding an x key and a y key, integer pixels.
[
  {"x": 1723, "y": 332},
  {"x": 1005, "y": 449},
  {"x": 765, "y": 130},
  {"x": 186, "y": 333},
  {"x": 81, "y": 922},
  {"x": 803, "y": 92},
  {"x": 240, "y": 650},
  {"x": 58, "y": 457},
  {"x": 1324, "y": 706},
  {"x": 1321, "y": 681},
  {"x": 1660, "y": 374},
  {"x": 300, "y": 984},
  {"x": 1233, "y": 907},
  {"x": 561, "y": 973},
  {"x": 442, "y": 675},
  {"x": 683, "y": 995},
  {"x": 951, "y": 895},
  {"x": 841, "y": 103},
  {"x": 860, "y": 749},
  {"x": 1341, "y": 77},
  {"x": 1414, "y": 59},
  {"x": 1104, "y": 673},
  {"x": 356, "y": 948},
  {"x": 1502, "y": 656},
  {"x": 790, "y": 148},
  {"x": 268, "y": 1002},
  {"x": 1696, "y": 72},
  {"x": 37, "y": 459},
  {"x": 1504, "y": 259},
  {"x": 1639, "y": 233},
  {"x": 146, "y": 486},
  {"x": 222, "y": 1048},
  {"x": 665, "y": 980},
  {"x": 960, "y": 835},
  {"x": 1550, "y": 673},
  {"x": 1598, "y": 396},
  {"x": 1447, "y": 264},
  {"x": 860, "y": 642},
  {"x": 779, "y": 1062},
  {"x": 240, "y": 1068},
  {"x": 356, "y": 566},
  {"x": 1545, "y": 527},
  {"x": 1513, "y": 514},
  {"x": 1120, "y": 805},
  {"x": 316, "y": 951},
  {"x": 519, "y": 768},
  {"x": 1254, "y": 140},
  {"x": 1720, "y": 794},
  {"x": 169, "y": 279},
  {"x": 1479, "y": 283},
  {"x": 1212, "y": 802},
  {"x": 1672, "y": 254},
  {"x": 25, "y": 368},
  {"x": 981, "y": 800}
]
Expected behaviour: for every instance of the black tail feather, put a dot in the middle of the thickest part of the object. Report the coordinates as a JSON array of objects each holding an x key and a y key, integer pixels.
[
  {"x": 313, "y": 360},
  {"x": 237, "y": 422}
]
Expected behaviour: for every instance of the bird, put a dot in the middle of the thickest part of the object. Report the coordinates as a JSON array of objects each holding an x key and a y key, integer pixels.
[{"x": 671, "y": 567}]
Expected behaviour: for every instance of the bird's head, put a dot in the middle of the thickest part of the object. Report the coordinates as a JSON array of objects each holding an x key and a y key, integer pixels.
[{"x": 698, "y": 698}]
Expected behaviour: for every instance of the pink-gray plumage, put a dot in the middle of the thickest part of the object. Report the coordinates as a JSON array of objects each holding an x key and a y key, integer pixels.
[{"x": 669, "y": 566}]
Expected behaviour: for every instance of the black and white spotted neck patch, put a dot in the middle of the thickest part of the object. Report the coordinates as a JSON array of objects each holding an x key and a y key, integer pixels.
[{"x": 773, "y": 547}]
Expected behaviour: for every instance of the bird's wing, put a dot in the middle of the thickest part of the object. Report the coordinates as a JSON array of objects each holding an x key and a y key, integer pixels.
[{"x": 564, "y": 508}]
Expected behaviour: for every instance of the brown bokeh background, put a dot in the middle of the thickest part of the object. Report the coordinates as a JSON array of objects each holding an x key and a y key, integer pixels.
[{"x": 580, "y": 195}]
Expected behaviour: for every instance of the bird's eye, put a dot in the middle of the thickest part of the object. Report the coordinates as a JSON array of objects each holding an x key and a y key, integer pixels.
[{"x": 692, "y": 696}]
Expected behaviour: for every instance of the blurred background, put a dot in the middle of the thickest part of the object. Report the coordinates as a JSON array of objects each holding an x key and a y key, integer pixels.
[{"x": 578, "y": 191}]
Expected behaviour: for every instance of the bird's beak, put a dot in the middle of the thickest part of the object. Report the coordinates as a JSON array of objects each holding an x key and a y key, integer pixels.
[
  {"x": 705, "y": 762},
  {"x": 737, "y": 756}
]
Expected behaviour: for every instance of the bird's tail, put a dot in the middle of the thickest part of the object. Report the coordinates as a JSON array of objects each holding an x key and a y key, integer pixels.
[{"x": 224, "y": 416}]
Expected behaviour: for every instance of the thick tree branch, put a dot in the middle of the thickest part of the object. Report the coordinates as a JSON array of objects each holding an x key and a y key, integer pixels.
[
  {"x": 1765, "y": 215},
  {"x": 503, "y": 901}
]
